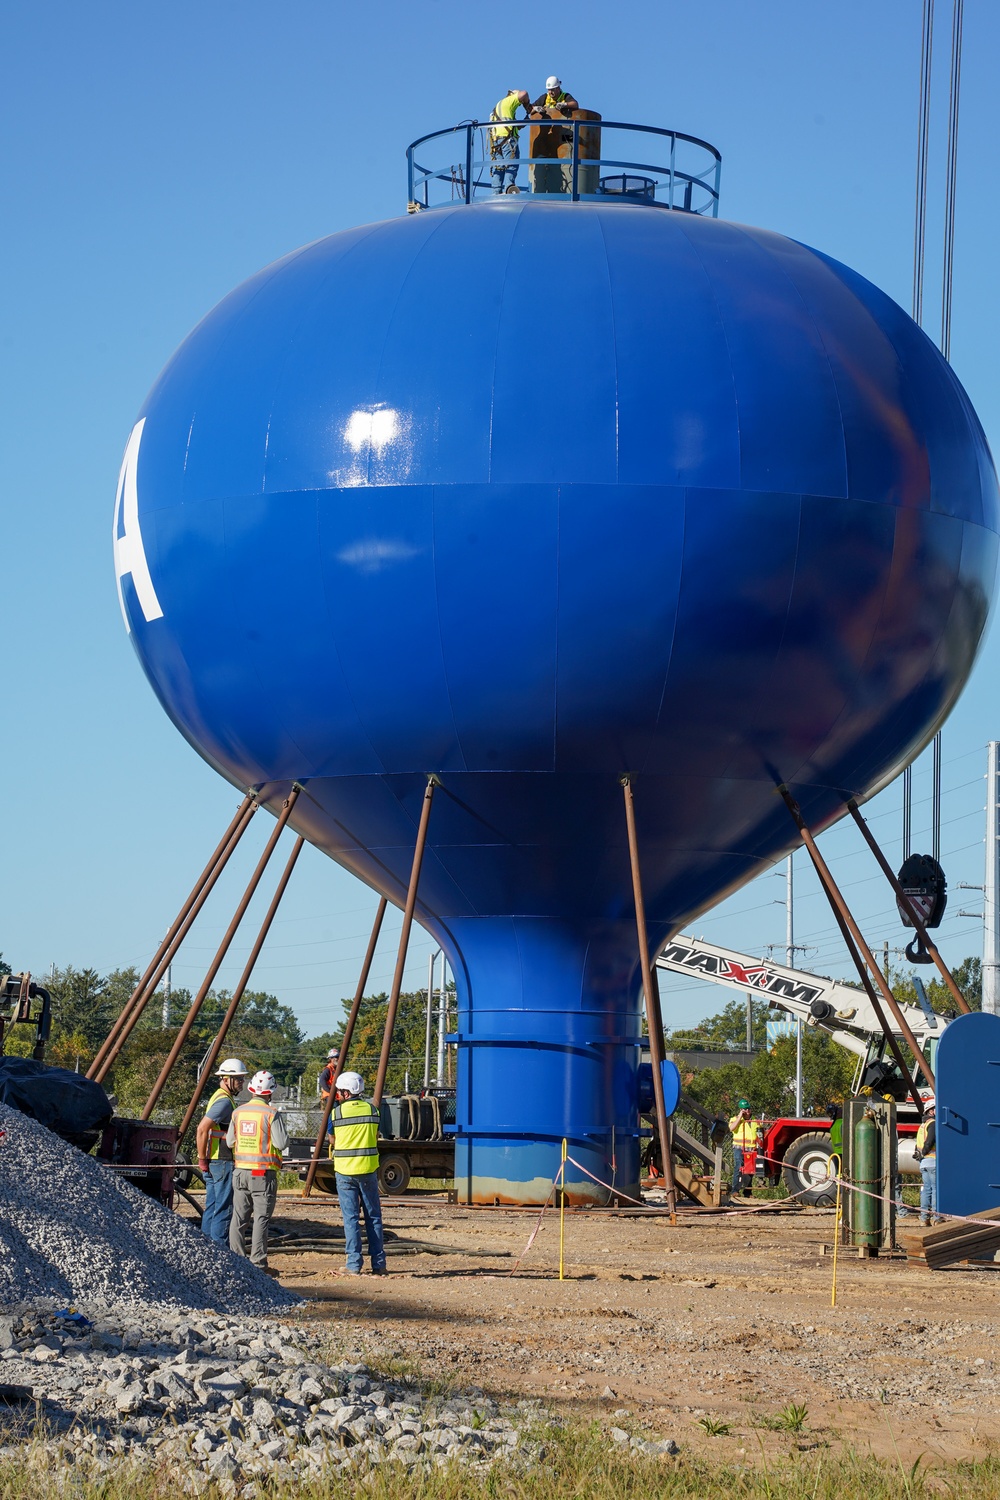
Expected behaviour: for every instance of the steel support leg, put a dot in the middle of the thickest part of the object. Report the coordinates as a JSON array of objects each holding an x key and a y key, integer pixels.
[
  {"x": 840, "y": 906},
  {"x": 915, "y": 917},
  {"x": 654, "y": 1020},
  {"x": 238, "y": 992},
  {"x": 404, "y": 940},
  {"x": 345, "y": 1044},
  {"x": 129, "y": 1018},
  {"x": 221, "y": 952}
]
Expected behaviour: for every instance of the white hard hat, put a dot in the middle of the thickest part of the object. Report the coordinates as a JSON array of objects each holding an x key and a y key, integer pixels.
[
  {"x": 333, "y": 1052},
  {"x": 232, "y": 1068},
  {"x": 351, "y": 1083},
  {"x": 552, "y": 82},
  {"x": 262, "y": 1082}
]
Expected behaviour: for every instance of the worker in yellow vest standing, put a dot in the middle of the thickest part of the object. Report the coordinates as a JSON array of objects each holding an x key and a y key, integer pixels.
[
  {"x": 504, "y": 139},
  {"x": 257, "y": 1135},
  {"x": 743, "y": 1128},
  {"x": 354, "y": 1149},
  {"x": 215, "y": 1159},
  {"x": 926, "y": 1155}
]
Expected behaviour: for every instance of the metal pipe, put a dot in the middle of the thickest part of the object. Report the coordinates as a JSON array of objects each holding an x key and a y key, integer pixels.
[
  {"x": 346, "y": 1040},
  {"x": 430, "y": 1011},
  {"x": 904, "y": 900},
  {"x": 654, "y": 1019},
  {"x": 790, "y": 961},
  {"x": 117, "y": 1042},
  {"x": 196, "y": 890},
  {"x": 837, "y": 900},
  {"x": 404, "y": 939},
  {"x": 209, "y": 1060},
  {"x": 876, "y": 1005},
  {"x": 221, "y": 952},
  {"x": 442, "y": 1027}
]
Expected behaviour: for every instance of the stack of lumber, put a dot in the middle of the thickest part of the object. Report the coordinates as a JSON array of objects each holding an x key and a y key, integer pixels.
[{"x": 954, "y": 1241}]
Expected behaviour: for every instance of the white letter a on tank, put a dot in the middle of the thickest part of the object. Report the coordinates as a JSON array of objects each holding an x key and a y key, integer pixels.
[{"x": 130, "y": 555}]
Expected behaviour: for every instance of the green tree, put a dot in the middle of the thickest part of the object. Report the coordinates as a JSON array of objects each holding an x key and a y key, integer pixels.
[{"x": 727, "y": 1031}]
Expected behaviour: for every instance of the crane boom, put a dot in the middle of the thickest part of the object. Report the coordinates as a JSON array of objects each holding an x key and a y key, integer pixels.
[{"x": 845, "y": 1013}]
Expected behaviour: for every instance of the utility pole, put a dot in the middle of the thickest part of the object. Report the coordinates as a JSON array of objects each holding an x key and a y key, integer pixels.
[
  {"x": 991, "y": 916},
  {"x": 790, "y": 961},
  {"x": 442, "y": 1021},
  {"x": 749, "y": 1021},
  {"x": 166, "y": 998}
]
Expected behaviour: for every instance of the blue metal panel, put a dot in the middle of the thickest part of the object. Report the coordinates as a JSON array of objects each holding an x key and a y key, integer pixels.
[
  {"x": 528, "y": 495},
  {"x": 968, "y": 1115}
]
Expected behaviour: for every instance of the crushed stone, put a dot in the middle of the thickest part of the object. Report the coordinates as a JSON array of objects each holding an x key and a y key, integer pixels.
[
  {"x": 72, "y": 1230},
  {"x": 242, "y": 1403}
]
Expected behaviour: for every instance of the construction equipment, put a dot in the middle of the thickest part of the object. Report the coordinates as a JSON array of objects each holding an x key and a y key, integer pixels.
[
  {"x": 16, "y": 994},
  {"x": 799, "y": 1149}
]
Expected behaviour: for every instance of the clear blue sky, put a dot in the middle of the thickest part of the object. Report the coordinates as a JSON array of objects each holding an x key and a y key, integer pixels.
[{"x": 155, "y": 156}]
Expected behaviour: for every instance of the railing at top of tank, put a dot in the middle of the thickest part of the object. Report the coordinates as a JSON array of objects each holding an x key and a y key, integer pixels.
[{"x": 688, "y": 179}]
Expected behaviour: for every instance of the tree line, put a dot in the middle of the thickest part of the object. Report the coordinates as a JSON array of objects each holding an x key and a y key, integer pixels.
[{"x": 264, "y": 1034}]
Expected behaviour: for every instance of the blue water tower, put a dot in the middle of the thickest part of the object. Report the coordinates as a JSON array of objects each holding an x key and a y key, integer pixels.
[{"x": 532, "y": 491}]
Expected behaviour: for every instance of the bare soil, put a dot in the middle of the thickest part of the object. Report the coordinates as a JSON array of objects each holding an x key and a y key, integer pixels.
[{"x": 724, "y": 1317}]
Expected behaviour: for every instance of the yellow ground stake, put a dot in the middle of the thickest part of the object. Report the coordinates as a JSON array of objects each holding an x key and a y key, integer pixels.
[
  {"x": 562, "y": 1212},
  {"x": 836, "y": 1234}
]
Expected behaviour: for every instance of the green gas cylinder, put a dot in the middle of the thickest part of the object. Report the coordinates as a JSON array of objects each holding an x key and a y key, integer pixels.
[{"x": 867, "y": 1216}]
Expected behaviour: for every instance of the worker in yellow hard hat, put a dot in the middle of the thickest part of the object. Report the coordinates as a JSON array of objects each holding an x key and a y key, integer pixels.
[{"x": 504, "y": 146}]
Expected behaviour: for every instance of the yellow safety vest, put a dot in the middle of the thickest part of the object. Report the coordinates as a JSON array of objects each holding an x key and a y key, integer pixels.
[
  {"x": 506, "y": 109},
  {"x": 354, "y": 1147},
  {"x": 553, "y": 99},
  {"x": 744, "y": 1133},
  {"x": 253, "y": 1151},
  {"x": 922, "y": 1136},
  {"x": 217, "y": 1135}
]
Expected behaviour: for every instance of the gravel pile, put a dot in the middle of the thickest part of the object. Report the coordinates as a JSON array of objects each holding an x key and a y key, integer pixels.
[
  {"x": 73, "y": 1230},
  {"x": 239, "y": 1402}
]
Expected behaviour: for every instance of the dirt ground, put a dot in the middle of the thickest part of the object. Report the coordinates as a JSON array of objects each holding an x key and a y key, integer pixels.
[{"x": 723, "y": 1316}]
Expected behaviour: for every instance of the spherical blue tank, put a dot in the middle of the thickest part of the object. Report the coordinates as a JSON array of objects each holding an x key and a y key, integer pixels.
[{"x": 529, "y": 495}]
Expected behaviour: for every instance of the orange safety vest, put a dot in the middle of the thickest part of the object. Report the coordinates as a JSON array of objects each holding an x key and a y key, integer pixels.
[{"x": 253, "y": 1151}]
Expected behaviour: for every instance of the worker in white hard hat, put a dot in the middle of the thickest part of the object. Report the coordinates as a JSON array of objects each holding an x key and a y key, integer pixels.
[
  {"x": 257, "y": 1135},
  {"x": 505, "y": 152},
  {"x": 329, "y": 1073},
  {"x": 353, "y": 1130},
  {"x": 555, "y": 104},
  {"x": 926, "y": 1154},
  {"x": 215, "y": 1159}
]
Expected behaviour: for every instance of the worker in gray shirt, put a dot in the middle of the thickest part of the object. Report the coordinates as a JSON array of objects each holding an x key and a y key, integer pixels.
[{"x": 257, "y": 1135}]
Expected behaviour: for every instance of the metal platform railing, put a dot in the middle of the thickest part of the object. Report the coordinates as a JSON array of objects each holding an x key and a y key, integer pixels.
[{"x": 684, "y": 174}]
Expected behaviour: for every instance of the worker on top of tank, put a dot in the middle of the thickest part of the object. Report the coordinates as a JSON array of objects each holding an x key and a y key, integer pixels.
[
  {"x": 926, "y": 1155},
  {"x": 215, "y": 1159},
  {"x": 353, "y": 1130},
  {"x": 257, "y": 1135},
  {"x": 504, "y": 146},
  {"x": 329, "y": 1073},
  {"x": 743, "y": 1129},
  {"x": 555, "y": 97},
  {"x": 550, "y": 175}
]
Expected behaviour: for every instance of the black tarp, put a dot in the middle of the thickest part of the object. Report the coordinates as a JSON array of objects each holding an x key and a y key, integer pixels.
[{"x": 67, "y": 1103}]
